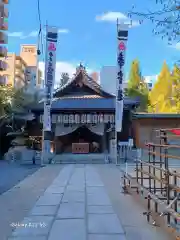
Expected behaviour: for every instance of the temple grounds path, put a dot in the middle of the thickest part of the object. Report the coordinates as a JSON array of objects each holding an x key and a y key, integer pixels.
[{"x": 79, "y": 202}]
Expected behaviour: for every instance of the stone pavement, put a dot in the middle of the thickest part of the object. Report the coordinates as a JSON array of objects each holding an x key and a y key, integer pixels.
[
  {"x": 19, "y": 200},
  {"x": 74, "y": 207}
]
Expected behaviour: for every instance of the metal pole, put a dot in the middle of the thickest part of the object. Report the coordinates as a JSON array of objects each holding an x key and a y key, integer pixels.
[
  {"x": 122, "y": 37},
  {"x": 50, "y": 66}
]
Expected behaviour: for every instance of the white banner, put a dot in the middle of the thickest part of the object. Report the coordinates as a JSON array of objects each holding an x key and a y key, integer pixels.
[
  {"x": 47, "y": 118},
  {"x": 50, "y": 68},
  {"x": 122, "y": 41}
]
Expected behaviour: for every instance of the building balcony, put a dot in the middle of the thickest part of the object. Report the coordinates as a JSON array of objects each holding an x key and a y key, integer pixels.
[
  {"x": 3, "y": 65},
  {"x": 5, "y": 1},
  {"x": 3, "y": 51},
  {"x": 3, "y": 38},
  {"x": 19, "y": 73},
  {"x": 3, "y": 24},
  {"x": 4, "y": 13},
  {"x": 18, "y": 64},
  {"x": 3, "y": 80}
]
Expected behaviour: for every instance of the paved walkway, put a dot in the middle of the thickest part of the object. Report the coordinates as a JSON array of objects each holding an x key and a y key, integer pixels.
[{"x": 77, "y": 206}]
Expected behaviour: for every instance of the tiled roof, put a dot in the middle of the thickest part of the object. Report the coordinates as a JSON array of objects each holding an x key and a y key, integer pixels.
[
  {"x": 89, "y": 81},
  {"x": 86, "y": 103},
  {"x": 80, "y": 97}
]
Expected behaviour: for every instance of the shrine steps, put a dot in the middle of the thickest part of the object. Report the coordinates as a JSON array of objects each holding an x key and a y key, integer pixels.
[{"x": 68, "y": 158}]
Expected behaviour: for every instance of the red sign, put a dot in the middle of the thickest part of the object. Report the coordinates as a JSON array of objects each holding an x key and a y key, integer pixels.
[
  {"x": 52, "y": 47},
  {"x": 122, "y": 46}
]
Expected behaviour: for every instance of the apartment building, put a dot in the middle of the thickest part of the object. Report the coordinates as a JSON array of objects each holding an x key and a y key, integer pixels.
[
  {"x": 29, "y": 54},
  {"x": 21, "y": 70},
  {"x": 3, "y": 37},
  {"x": 14, "y": 74}
]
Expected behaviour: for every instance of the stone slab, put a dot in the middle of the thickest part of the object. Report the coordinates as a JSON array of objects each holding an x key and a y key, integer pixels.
[
  {"x": 94, "y": 183},
  {"x": 49, "y": 199},
  {"x": 33, "y": 226},
  {"x": 98, "y": 199},
  {"x": 68, "y": 229},
  {"x": 104, "y": 224},
  {"x": 100, "y": 209},
  {"x": 95, "y": 190},
  {"x": 44, "y": 210},
  {"x": 54, "y": 189},
  {"x": 107, "y": 237},
  {"x": 75, "y": 188},
  {"x": 28, "y": 238},
  {"x": 59, "y": 183},
  {"x": 71, "y": 210},
  {"x": 73, "y": 196}
]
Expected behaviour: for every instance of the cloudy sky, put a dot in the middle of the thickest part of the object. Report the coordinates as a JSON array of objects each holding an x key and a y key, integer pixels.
[{"x": 87, "y": 34}]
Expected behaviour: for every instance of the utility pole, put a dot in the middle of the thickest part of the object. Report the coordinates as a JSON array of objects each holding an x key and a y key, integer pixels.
[
  {"x": 50, "y": 67},
  {"x": 122, "y": 37}
]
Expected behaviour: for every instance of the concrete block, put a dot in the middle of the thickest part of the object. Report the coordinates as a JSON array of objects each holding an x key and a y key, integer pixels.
[
  {"x": 49, "y": 199},
  {"x": 54, "y": 189},
  {"x": 107, "y": 237},
  {"x": 68, "y": 229},
  {"x": 95, "y": 190},
  {"x": 104, "y": 224},
  {"x": 71, "y": 210},
  {"x": 80, "y": 188},
  {"x": 73, "y": 196},
  {"x": 100, "y": 209},
  {"x": 98, "y": 199},
  {"x": 28, "y": 238},
  {"x": 44, "y": 210}
]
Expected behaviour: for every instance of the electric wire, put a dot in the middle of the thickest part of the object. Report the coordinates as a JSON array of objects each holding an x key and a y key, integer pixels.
[{"x": 40, "y": 33}]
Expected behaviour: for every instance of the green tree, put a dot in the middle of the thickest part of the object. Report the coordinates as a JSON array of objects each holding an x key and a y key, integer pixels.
[
  {"x": 160, "y": 97},
  {"x": 137, "y": 86}
]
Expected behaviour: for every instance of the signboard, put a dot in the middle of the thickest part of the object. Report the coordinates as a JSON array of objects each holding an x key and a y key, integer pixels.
[
  {"x": 50, "y": 67},
  {"x": 80, "y": 118},
  {"x": 122, "y": 40}
]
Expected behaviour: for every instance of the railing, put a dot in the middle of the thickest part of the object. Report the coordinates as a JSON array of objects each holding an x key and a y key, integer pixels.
[
  {"x": 125, "y": 152},
  {"x": 157, "y": 184}
]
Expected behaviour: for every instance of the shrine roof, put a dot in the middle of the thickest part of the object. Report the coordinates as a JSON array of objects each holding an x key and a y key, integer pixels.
[
  {"x": 82, "y": 79},
  {"x": 86, "y": 104},
  {"x": 82, "y": 92}
]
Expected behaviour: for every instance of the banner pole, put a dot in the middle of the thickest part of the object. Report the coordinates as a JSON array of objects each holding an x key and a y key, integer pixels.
[
  {"x": 50, "y": 67},
  {"x": 122, "y": 37}
]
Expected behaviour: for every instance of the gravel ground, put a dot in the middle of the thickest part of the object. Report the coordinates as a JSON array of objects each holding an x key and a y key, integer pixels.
[
  {"x": 129, "y": 211},
  {"x": 18, "y": 201}
]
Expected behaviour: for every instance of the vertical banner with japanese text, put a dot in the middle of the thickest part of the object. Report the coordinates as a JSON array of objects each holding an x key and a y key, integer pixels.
[
  {"x": 50, "y": 67},
  {"x": 122, "y": 37}
]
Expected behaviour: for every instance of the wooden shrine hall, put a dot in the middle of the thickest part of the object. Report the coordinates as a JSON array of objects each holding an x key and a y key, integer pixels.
[{"x": 83, "y": 117}]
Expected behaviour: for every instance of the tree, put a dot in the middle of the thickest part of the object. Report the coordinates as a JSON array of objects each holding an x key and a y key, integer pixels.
[
  {"x": 176, "y": 89},
  {"x": 160, "y": 97},
  {"x": 137, "y": 86},
  {"x": 166, "y": 18},
  {"x": 64, "y": 79},
  {"x": 14, "y": 100},
  {"x": 135, "y": 77}
]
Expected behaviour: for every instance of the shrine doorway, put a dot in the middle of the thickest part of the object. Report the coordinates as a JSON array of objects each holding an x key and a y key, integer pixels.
[{"x": 82, "y": 135}]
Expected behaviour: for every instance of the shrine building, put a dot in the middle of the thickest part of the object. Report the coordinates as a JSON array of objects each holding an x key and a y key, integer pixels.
[{"x": 83, "y": 118}]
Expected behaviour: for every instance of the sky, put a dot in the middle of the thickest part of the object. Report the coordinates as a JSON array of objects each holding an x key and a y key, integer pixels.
[{"x": 87, "y": 34}]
